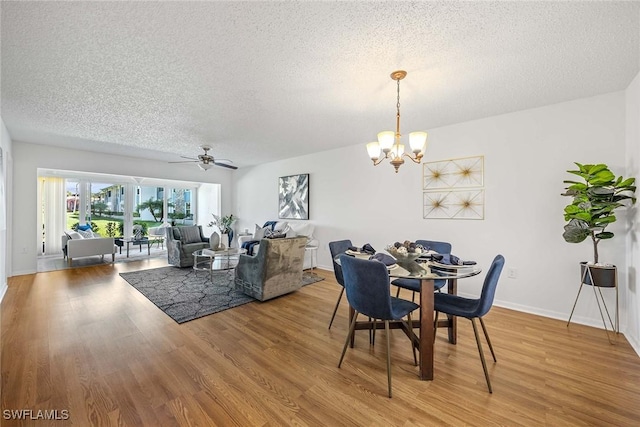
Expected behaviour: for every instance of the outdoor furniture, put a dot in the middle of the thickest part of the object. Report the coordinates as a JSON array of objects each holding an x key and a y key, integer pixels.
[
  {"x": 120, "y": 242},
  {"x": 80, "y": 247}
]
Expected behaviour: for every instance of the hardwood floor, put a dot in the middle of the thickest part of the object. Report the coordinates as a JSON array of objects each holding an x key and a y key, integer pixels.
[{"x": 85, "y": 341}]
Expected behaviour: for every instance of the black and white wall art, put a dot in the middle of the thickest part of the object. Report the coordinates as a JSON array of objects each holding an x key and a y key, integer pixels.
[{"x": 293, "y": 196}]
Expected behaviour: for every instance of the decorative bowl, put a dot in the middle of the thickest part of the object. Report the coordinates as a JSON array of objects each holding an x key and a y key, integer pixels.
[{"x": 402, "y": 257}]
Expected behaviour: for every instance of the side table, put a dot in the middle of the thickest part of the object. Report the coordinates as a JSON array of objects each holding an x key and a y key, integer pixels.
[{"x": 313, "y": 255}]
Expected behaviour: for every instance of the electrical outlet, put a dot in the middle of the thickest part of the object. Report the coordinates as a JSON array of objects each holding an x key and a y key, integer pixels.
[{"x": 512, "y": 273}]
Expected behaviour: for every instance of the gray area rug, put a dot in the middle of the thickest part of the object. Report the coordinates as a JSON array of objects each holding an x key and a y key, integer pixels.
[{"x": 185, "y": 294}]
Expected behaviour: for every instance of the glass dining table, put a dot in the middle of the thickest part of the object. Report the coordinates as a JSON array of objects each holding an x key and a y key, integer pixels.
[{"x": 427, "y": 272}]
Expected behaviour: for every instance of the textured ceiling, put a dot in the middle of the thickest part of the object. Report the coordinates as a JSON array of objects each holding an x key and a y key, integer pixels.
[{"x": 261, "y": 81}]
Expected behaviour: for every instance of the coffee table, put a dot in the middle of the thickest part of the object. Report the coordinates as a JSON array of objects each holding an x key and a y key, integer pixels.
[
  {"x": 223, "y": 258},
  {"x": 120, "y": 241},
  {"x": 203, "y": 261}
]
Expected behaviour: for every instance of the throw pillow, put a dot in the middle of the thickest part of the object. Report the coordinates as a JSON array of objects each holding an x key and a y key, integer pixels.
[
  {"x": 86, "y": 234},
  {"x": 84, "y": 227},
  {"x": 280, "y": 226},
  {"x": 74, "y": 235},
  {"x": 259, "y": 233},
  {"x": 291, "y": 233}
]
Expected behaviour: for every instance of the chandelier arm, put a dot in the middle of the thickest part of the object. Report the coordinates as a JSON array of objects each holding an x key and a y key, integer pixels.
[{"x": 416, "y": 159}]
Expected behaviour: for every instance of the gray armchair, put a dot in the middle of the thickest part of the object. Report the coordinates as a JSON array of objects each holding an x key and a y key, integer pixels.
[
  {"x": 274, "y": 271},
  {"x": 182, "y": 242}
]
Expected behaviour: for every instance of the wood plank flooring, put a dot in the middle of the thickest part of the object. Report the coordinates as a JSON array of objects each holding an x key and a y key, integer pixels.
[{"x": 85, "y": 341}]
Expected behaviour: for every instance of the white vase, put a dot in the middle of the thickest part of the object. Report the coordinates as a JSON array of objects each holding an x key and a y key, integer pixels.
[{"x": 224, "y": 239}]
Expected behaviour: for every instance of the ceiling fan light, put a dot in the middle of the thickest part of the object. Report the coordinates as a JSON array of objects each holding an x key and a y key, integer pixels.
[{"x": 205, "y": 166}]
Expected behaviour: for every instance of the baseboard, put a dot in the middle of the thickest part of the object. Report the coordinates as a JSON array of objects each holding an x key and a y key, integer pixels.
[
  {"x": 634, "y": 343},
  {"x": 23, "y": 272},
  {"x": 3, "y": 290}
]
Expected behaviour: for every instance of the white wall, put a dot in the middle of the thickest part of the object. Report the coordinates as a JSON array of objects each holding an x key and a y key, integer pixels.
[
  {"x": 208, "y": 203},
  {"x": 28, "y": 158},
  {"x": 526, "y": 154},
  {"x": 632, "y": 295},
  {"x": 5, "y": 202}
]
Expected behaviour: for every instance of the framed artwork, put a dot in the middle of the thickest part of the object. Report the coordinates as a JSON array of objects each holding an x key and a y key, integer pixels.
[
  {"x": 293, "y": 196},
  {"x": 466, "y": 172},
  {"x": 454, "y": 204}
]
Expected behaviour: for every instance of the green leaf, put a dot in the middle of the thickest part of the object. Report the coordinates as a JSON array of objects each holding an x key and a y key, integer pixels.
[
  {"x": 577, "y": 187},
  {"x": 597, "y": 168},
  {"x": 602, "y": 178},
  {"x": 627, "y": 182},
  {"x": 584, "y": 216},
  {"x": 607, "y": 219},
  {"x": 575, "y": 234},
  {"x": 571, "y": 209},
  {"x": 601, "y": 191},
  {"x": 604, "y": 235}
]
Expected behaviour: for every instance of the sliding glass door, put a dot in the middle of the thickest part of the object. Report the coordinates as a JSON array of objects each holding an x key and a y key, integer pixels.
[{"x": 113, "y": 204}]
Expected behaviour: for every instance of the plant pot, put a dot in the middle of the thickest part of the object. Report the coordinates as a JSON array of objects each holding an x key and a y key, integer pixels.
[{"x": 598, "y": 275}]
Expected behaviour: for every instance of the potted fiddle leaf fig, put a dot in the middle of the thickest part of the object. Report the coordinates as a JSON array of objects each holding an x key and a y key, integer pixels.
[{"x": 595, "y": 200}]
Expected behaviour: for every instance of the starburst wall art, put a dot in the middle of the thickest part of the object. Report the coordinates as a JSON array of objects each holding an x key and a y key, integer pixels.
[
  {"x": 460, "y": 204},
  {"x": 453, "y": 189},
  {"x": 454, "y": 173}
]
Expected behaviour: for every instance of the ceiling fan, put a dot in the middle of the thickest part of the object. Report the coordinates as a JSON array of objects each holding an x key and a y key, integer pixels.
[{"x": 206, "y": 161}]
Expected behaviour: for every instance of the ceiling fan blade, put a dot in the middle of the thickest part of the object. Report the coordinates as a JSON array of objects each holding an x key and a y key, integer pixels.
[
  {"x": 190, "y": 158},
  {"x": 225, "y": 165},
  {"x": 186, "y": 161}
]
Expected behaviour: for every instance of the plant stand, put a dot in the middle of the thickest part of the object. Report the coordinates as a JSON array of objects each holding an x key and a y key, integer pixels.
[{"x": 598, "y": 276}]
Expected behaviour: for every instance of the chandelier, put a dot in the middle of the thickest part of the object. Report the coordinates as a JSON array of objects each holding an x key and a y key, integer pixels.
[{"x": 389, "y": 142}]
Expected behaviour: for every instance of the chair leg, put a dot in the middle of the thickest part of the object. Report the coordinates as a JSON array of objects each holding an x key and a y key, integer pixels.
[
  {"x": 435, "y": 326},
  {"x": 397, "y": 291},
  {"x": 486, "y": 335},
  {"x": 372, "y": 331},
  {"x": 386, "y": 330},
  {"x": 335, "y": 310},
  {"x": 413, "y": 347},
  {"x": 484, "y": 363},
  {"x": 346, "y": 343}
]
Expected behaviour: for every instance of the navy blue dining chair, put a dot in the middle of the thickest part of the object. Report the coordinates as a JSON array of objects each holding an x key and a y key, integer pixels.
[
  {"x": 413, "y": 285},
  {"x": 336, "y": 248},
  {"x": 368, "y": 292},
  {"x": 473, "y": 308}
]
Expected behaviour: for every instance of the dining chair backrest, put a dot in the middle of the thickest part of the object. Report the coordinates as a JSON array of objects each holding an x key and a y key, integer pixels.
[
  {"x": 440, "y": 247},
  {"x": 367, "y": 285},
  {"x": 489, "y": 286},
  {"x": 336, "y": 248}
]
